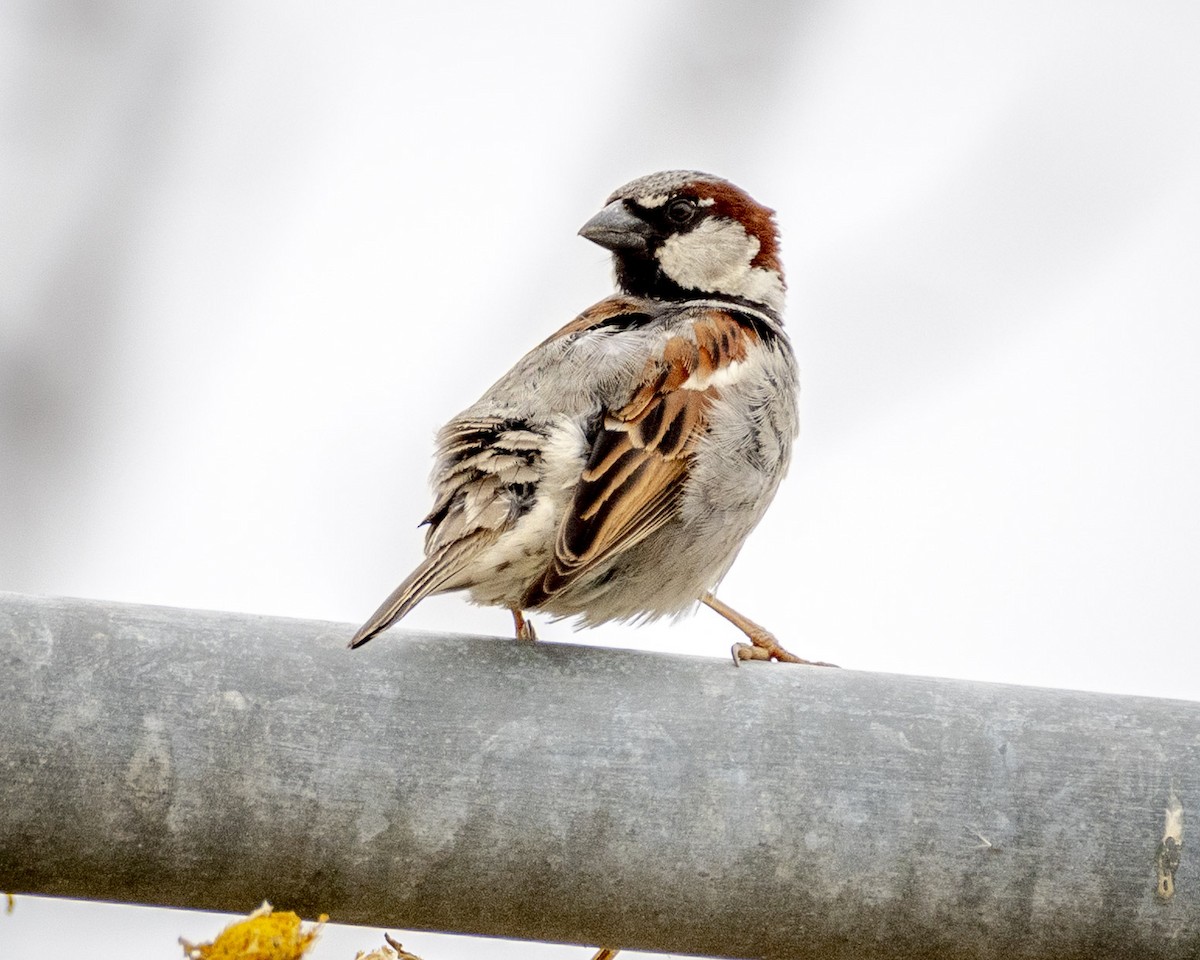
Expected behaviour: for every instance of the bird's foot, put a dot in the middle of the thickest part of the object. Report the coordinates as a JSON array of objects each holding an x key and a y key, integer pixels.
[
  {"x": 524, "y": 628},
  {"x": 762, "y": 645}
]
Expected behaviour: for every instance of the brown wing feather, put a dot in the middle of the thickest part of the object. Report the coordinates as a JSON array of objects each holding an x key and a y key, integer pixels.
[{"x": 639, "y": 459}]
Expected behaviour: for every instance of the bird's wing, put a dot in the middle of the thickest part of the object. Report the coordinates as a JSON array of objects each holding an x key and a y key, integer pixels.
[
  {"x": 638, "y": 463},
  {"x": 484, "y": 479},
  {"x": 487, "y": 462}
]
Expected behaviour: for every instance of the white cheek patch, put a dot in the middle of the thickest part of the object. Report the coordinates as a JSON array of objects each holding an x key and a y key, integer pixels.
[
  {"x": 764, "y": 286},
  {"x": 716, "y": 257}
]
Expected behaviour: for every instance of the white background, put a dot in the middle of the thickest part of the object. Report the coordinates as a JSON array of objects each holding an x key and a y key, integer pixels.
[{"x": 252, "y": 254}]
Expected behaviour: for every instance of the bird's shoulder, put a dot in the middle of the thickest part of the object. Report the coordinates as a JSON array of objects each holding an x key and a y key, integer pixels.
[
  {"x": 619, "y": 352},
  {"x": 623, "y": 313}
]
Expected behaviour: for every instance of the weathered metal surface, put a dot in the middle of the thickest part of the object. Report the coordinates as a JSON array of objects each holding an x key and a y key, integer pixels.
[{"x": 551, "y": 792}]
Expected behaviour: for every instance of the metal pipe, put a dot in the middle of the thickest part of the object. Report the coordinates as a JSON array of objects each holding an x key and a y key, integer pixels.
[{"x": 562, "y": 793}]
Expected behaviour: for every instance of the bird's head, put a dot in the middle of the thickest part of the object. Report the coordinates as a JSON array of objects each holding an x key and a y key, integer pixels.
[{"x": 681, "y": 235}]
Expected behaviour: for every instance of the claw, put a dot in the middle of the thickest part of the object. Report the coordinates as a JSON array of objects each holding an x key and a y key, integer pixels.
[{"x": 744, "y": 651}]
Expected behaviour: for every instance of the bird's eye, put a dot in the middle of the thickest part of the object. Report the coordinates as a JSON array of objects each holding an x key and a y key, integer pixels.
[{"x": 681, "y": 210}]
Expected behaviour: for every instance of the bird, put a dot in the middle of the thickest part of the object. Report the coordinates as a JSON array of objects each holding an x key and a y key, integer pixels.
[{"x": 615, "y": 471}]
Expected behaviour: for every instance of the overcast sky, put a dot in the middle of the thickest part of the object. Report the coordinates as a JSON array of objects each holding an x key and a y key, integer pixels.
[{"x": 253, "y": 254}]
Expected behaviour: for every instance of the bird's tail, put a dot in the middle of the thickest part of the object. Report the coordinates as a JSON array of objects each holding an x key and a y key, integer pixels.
[{"x": 431, "y": 575}]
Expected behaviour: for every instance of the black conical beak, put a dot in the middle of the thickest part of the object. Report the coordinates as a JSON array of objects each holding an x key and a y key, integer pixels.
[{"x": 615, "y": 228}]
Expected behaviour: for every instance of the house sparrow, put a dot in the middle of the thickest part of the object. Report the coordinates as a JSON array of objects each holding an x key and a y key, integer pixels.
[{"x": 616, "y": 470}]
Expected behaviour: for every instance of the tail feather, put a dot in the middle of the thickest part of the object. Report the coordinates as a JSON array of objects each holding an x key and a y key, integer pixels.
[{"x": 431, "y": 574}]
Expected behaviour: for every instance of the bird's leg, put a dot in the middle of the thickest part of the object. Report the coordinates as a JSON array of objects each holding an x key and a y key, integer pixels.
[
  {"x": 763, "y": 645},
  {"x": 605, "y": 953},
  {"x": 524, "y": 627}
]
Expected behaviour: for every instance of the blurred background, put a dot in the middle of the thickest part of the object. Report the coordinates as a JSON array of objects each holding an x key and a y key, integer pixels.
[{"x": 253, "y": 254}]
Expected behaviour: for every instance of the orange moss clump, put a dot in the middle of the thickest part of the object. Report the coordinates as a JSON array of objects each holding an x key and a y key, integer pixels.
[{"x": 264, "y": 935}]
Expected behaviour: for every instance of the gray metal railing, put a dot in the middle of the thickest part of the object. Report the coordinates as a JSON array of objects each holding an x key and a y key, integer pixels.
[{"x": 575, "y": 794}]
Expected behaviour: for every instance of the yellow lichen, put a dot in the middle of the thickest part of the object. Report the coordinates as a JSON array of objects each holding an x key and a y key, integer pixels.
[{"x": 264, "y": 935}]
